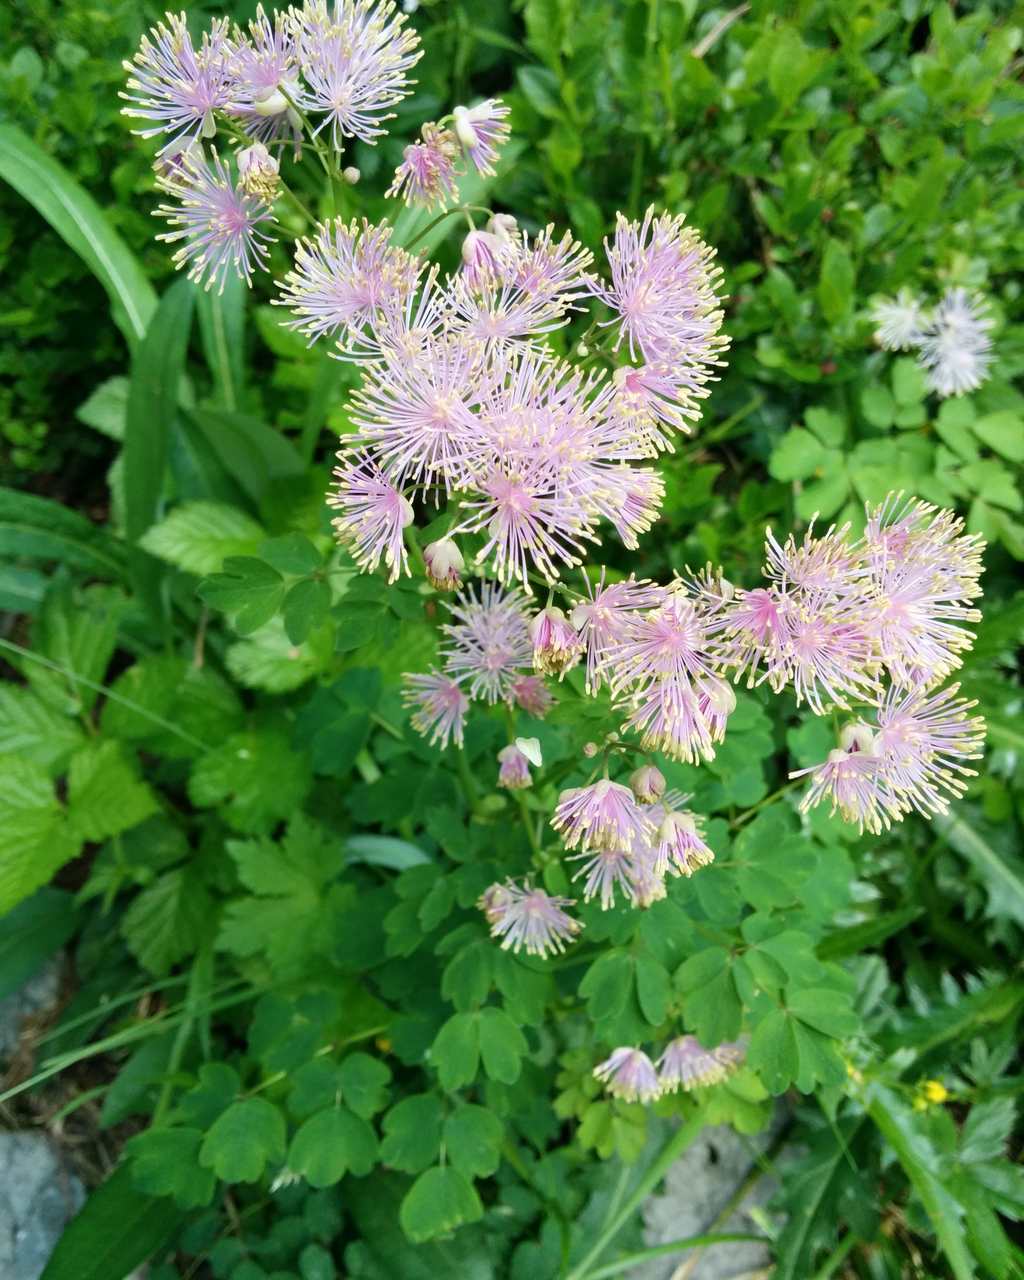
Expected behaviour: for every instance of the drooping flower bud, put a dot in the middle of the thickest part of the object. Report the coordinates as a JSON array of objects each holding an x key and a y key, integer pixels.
[
  {"x": 504, "y": 227},
  {"x": 351, "y": 175},
  {"x": 481, "y": 130},
  {"x": 514, "y": 773},
  {"x": 483, "y": 257},
  {"x": 444, "y": 564},
  {"x": 556, "y": 643},
  {"x": 258, "y": 172},
  {"x": 648, "y": 784}
]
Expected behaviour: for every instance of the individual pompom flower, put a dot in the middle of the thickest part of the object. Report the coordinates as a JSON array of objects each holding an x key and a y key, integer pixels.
[
  {"x": 663, "y": 290},
  {"x": 485, "y": 256},
  {"x": 482, "y": 130},
  {"x": 923, "y": 741},
  {"x": 607, "y": 870},
  {"x": 444, "y": 564},
  {"x": 218, "y": 223},
  {"x": 854, "y": 783},
  {"x": 420, "y": 416},
  {"x": 629, "y": 1074},
  {"x": 603, "y": 815},
  {"x": 355, "y": 57},
  {"x": 667, "y": 715},
  {"x": 646, "y": 879},
  {"x": 686, "y": 1064},
  {"x": 670, "y": 641},
  {"x": 426, "y": 175},
  {"x": 514, "y": 771},
  {"x": 900, "y": 321},
  {"x": 373, "y": 516},
  {"x": 605, "y": 618},
  {"x": 754, "y": 627},
  {"x": 956, "y": 349},
  {"x": 821, "y": 562},
  {"x": 679, "y": 846},
  {"x": 532, "y": 695},
  {"x": 345, "y": 277},
  {"x": 259, "y": 173},
  {"x": 175, "y": 86},
  {"x": 648, "y": 784},
  {"x": 556, "y": 644},
  {"x": 528, "y": 919},
  {"x": 264, "y": 79},
  {"x": 653, "y": 399},
  {"x": 440, "y": 704},
  {"x": 488, "y": 641}
]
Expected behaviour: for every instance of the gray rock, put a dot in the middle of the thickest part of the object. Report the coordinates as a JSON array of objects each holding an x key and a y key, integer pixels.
[
  {"x": 38, "y": 1196},
  {"x": 696, "y": 1190},
  {"x": 38, "y": 993}
]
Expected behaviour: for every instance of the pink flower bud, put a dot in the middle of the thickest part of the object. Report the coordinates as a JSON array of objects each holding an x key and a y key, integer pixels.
[
  {"x": 556, "y": 643},
  {"x": 444, "y": 564},
  {"x": 514, "y": 773},
  {"x": 648, "y": 784}
]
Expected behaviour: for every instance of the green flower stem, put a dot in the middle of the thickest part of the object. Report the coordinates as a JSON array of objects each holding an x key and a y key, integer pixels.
[
  {"x": 201, "y": 968},
  {"x": 683, "y": 1137},
  {"x": 329, "y": 165},
  {"x": 674, "y": 1246},
  {"x": 747, "y": 814},
  {"x": 469, "y": 788}
]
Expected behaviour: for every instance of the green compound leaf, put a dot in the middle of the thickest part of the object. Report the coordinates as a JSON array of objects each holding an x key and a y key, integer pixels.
[
  {"x": 456, "y": 1050},
  {"x": 502, "y": 1045},
  {"x": 165, "y": 1162},
  {"x": 438, "y": 1201},
  {"x": 472, "y": 1139},
  {"x": 248, "y": 589},
  {"x": 364, "y": 1084},
  {"x": 243, "y": 1139},
  {"x": 257, "y": 778},
  {"x": 330, "y": 1144},
  {"x": 412, "y": 1133}
]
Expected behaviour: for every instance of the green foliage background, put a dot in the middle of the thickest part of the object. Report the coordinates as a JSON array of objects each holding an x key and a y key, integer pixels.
[{"x": 266, "y": 880}]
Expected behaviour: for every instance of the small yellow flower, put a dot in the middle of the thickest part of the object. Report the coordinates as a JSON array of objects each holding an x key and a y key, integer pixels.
[{"x": 934, "y": 1091}]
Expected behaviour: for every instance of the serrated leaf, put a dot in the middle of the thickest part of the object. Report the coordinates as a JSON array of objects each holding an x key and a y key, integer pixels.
[
  {"x": 773, "y": 1052},
  {"x": 292, "y": 553},
  {"x": 105, "y": 794},
  {"x": 472, "y": 1139},
  {"x": 34, "y": 730},
  {"x": 35, "y": 836},
  {"x": 255, "y": 777},
  {"x": 32, "y": 932},
  {"x": 330, "y": 1144},
  {"x": 165, "y": 1162},
  {"x": 653, "y": 989},
  {"x": 199, "y": 536},
  {"x": 268, "y": 660},
  {"x": 438, "y": 1201},
  {"x": 243, "y": 1139},
  {"x": 908, "y": 383},
  {"x": 168, "y": 920}
]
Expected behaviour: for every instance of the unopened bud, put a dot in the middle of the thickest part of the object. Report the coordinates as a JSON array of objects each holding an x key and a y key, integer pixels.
[
  {"x": 444, "y": 564},
  {"x": 648, "y": 784},
  {"x": 556, "y": 643},
  {"x": 351, "y": 175}
]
